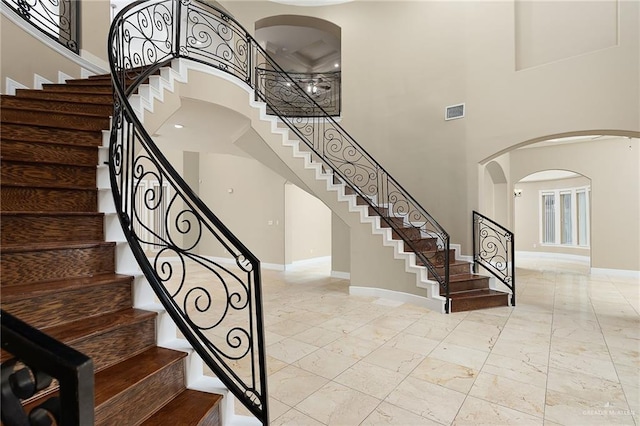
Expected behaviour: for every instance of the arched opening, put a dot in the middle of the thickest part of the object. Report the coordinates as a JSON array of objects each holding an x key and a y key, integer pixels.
[
  {"x": 552, "y": 218},
  {"x": 496, "y": 199},
  {"x": 309, "y": 50},
  {"x": 599, "y": 169}
]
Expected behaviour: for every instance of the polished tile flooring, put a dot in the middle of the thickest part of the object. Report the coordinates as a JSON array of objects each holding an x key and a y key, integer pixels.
[{"x": 567, "y": 354}]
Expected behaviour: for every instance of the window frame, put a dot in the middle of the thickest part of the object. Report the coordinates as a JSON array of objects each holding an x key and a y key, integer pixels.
[{"x": 559, "y": 214}]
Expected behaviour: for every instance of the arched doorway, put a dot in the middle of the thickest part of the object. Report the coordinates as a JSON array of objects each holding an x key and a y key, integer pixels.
[
  {"x": 610, "y": 162},
  {"x": 552, "y": 219}
]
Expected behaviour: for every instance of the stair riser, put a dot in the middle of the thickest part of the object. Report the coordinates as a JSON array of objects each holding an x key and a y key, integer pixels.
[
  {"x": 53, "y": 119},
  {"x": 72, "y": 305},
  {"x": 138, "y": 401},
  {"x": 71, "y": 88},
  {"x": 410, "y": 233},
  {"x": 454, "y": 269},
  {"x": 54, "y": 105},
  {"x": 113, "y": 346},
  {"x": 383, "y": 211},
  {"x": 466, "y": 285},
  {"x": 49, "y": 134},
  {"x": 25, "y": 229},
  {"x": 424, "y": 244},
  {"x": 398, "y": 221},
  {"x": 438, "y": 258},
  {"x": 14, "y": 198},
  {"x": 90, "y": 82},
  {"x": 51, "y": 265},
  {"x": 49, "y": 175},
  {"x": 102, "y": 98},
  {"x": 491, "y": 301},
  {"x": 48, "y": 152}
]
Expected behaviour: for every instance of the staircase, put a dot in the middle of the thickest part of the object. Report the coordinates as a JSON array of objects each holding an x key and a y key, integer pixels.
[{"x": 58, "y": 272}]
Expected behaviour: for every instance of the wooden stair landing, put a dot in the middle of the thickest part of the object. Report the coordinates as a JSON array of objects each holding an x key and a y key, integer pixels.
[{"x": 58, "y": 273}]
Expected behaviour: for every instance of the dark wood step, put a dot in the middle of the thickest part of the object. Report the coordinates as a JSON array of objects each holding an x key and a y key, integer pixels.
[
  {"x": 85, "y": 88},
  {"x": 109, "y": 338},
  {"x": 437, "y": 257},
  {"x": 189, "y": 408},
  {"x": 421, "y": 244},
  {"x": 95, "y": 81},
  {"x": 456, "y": 268},
  {"x": 89, "y": 97},
  {"x": 35, "y": 227},
  {"x": 405, "y": 233},
  {"x": 478, "y": 299},
  {"x": 33, "y": 263},
  {"x": 24, "y": 132},
  {"x": 26, "y": 151},
  {"x": 16, "y": 198},
  {"x": 48, "y": 175},
  {"x": 467, "y": 281},
  {"x": 48, "y": 304},
  {"x": 102, "y": 109},
  {"x": 381, "y": 211},
  {"x": 129, "y": 392},
  {"x": 57, "y": 119}
]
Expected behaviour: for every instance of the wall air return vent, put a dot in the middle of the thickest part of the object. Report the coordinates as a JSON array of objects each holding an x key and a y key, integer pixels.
[{"x": 454, "y": 111}]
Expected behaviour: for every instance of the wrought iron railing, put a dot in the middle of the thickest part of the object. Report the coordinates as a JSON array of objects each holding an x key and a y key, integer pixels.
[
  {"x": 58, "y": 19},
  {"x": 324, "y": 88},
  {"x": 38, "y": 359},
  {"x": 217, "y": 307},
  {"x": 494, "y": 250}
]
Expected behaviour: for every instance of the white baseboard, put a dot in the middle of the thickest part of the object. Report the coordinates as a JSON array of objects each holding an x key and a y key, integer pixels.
[
  {"x": 616, "y": 272},
  {"x": 549, "y": 255},
  {"x": 434, "y": 304},
  {"x": 306, "y": 262},
  {"x": 341, "y": 275}
]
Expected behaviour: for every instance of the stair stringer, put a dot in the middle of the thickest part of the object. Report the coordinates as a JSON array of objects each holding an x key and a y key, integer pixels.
[
  {"x": 287, "y": 148},
  {"x": 155, "y": 102}
]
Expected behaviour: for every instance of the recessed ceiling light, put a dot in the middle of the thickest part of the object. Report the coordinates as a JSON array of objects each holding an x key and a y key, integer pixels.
[{"x": 178, "y": 126}]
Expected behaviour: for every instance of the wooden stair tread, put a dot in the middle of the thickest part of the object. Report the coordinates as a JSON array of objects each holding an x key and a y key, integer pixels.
[
  {"x": 69, "y": 332},
  {"x": 19, "y": 102},
  {"x": 189, "y": 408},
  {"x": 48, "y": 213},
  {"x": 466, "y": 277},
  {"x": 24, "y": 291},
  {"x": 116, "y": 379},
  {"x": 95, "y": 98},
  {"x": 45, "y": 185},
  {"x": 476, "y": 293},
  {"x": 48, "y": 111},
  {"x": 42, "y": 134},
  {"x": 18, "y": 248}
]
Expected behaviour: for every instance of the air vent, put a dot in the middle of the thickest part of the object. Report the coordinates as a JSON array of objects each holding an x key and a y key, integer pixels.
[{"x": 454, "y": 111}]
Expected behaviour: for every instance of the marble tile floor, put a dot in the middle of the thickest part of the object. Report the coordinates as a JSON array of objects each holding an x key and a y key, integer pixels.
[{"x": 567, "y": 354}]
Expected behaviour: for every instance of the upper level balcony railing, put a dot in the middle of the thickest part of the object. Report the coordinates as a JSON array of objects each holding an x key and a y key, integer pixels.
[
  {"x": 324, "y": 88},
  {"x": 58, "y": 19}
]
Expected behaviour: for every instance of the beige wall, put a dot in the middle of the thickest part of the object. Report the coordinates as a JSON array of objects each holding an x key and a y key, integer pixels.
[
  {"x": 404, "y": 62},
  {"x": 340, "y": 245},
  {"x": 254, "y": 213},
  {"x": 45, "y": 61},
  {"x": 613, "y": 166},
  {"x": 527, "y": 209},
  {"x": 307, "y": 226}
]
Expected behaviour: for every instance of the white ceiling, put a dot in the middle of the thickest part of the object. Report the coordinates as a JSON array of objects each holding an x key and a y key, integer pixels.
[{"x": 300, "y": 49}]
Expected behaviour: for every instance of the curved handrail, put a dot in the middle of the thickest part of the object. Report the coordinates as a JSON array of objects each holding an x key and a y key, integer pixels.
[{"x": 163, "y": 218}]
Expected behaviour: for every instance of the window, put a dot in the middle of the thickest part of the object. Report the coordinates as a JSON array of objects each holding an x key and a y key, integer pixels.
[{"x": 564, "y": 217}]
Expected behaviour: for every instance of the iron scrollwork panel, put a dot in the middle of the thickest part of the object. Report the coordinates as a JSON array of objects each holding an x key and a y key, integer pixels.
[{"x": 58, "y": 19}]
